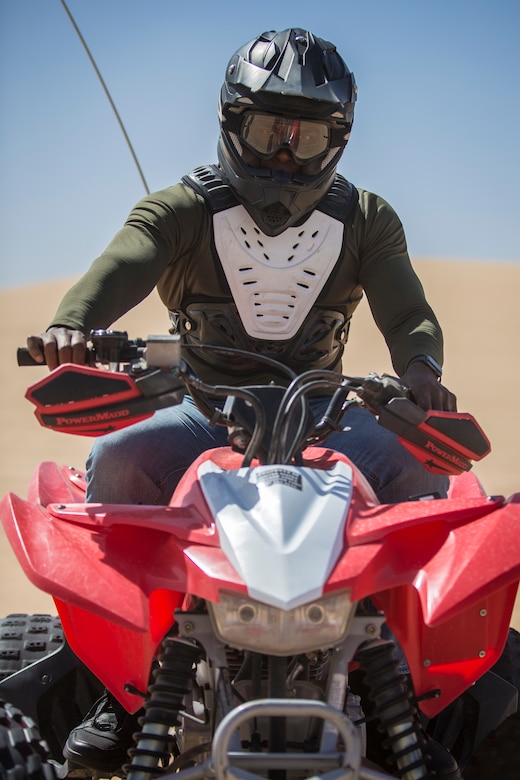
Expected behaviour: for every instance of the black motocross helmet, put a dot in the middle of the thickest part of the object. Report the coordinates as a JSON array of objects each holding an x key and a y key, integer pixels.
[{"x": 287, "y": 89}]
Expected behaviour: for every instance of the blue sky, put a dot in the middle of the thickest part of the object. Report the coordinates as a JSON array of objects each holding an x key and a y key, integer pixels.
[{"x": 436, "y": 129}]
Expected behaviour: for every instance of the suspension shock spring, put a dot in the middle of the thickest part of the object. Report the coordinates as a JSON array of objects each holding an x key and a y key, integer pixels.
[
  {"x": 171, "y": 682},
  {"x": 393, "y": 708}
]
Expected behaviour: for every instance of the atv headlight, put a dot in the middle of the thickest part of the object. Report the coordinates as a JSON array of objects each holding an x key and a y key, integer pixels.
[{"x": 251, "y": 625}]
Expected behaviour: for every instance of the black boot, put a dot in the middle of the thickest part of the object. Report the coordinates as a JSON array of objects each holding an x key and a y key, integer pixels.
[{"x": 102, "y": 741}]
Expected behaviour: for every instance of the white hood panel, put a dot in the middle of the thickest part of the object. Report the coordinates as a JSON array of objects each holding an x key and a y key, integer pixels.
[{"x": 281, "y": 527}]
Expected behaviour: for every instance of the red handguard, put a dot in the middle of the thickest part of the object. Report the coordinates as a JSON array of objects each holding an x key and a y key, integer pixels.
[
  {"x": 91, "y": 401},
  {"x": 444, "y": 442}
]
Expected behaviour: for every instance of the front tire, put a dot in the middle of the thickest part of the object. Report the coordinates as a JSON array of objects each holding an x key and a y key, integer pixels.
[
  {"x": 498, "y": 754},
  {"x": 44, "y": 679},
  {"x": 23, "y": 754}
]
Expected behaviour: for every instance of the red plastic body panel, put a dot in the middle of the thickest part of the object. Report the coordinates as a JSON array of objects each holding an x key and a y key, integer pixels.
[{"x": 445, "y": 571}]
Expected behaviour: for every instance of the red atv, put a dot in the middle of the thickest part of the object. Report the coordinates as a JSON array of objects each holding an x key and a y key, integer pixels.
[{"x": 275, "y": 620}]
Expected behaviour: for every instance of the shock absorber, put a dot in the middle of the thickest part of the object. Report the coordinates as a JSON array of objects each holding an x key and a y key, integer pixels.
[
  {"x": 171, "y": 679},
  {"x": 393, "y": 708}
]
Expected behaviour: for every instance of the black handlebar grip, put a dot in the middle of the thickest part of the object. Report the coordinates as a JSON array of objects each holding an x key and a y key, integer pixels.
[{"x": 23, "y": 358}]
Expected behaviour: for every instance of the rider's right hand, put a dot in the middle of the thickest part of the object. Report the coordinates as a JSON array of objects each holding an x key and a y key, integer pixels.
[{"x": 58, "y": 345}]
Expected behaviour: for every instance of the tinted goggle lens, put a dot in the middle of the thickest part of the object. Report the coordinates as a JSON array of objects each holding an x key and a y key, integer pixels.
[{"x": 265, "y": 134}]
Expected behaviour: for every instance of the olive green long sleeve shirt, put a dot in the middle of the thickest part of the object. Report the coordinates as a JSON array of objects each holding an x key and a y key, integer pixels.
[{"x": 167, "y": 243}]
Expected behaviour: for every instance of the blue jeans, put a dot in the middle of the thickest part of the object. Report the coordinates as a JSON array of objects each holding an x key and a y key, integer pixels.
[{"x": 143, "y": 464}]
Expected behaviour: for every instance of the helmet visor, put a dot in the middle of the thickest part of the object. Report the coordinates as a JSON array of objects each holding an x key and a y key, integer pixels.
[{"x": 265, "y": 134}]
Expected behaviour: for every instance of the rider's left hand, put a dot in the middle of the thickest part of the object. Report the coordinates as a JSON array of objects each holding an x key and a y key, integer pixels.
[{"x": 427, "y": 391}]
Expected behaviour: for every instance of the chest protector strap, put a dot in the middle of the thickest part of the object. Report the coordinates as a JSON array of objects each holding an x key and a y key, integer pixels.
[{"x": 207, "y": 180}]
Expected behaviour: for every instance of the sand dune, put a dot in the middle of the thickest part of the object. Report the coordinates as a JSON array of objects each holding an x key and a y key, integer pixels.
[{"x": 477, "y": 304}]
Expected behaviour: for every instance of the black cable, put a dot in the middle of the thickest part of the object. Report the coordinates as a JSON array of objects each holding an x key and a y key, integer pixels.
[
  {"x": 280, "y": 368},
  {"x": 114, "y": 109},
  {"x": 285, "y": 452},
  {"x": 301, "y": 385}
]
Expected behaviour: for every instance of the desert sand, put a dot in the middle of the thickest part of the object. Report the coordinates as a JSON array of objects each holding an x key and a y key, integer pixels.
[{"x": 476, "y": 302}]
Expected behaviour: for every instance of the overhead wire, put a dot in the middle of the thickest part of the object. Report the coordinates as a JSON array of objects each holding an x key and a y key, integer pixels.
[{"x": 107, "y": 93}]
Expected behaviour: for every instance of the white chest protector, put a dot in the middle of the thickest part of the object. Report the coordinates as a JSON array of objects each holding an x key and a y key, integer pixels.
[{"x": 276, "y": 280}]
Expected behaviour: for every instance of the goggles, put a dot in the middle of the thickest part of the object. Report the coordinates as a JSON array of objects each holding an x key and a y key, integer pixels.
[{"x": 264, "y": 134}]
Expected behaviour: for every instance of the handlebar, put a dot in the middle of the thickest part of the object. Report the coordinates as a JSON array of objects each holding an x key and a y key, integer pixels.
[
  {"x": 112, "y": 347},
  {"x": 24, "y": 358},
  {"x": 270, "y": 422}
]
